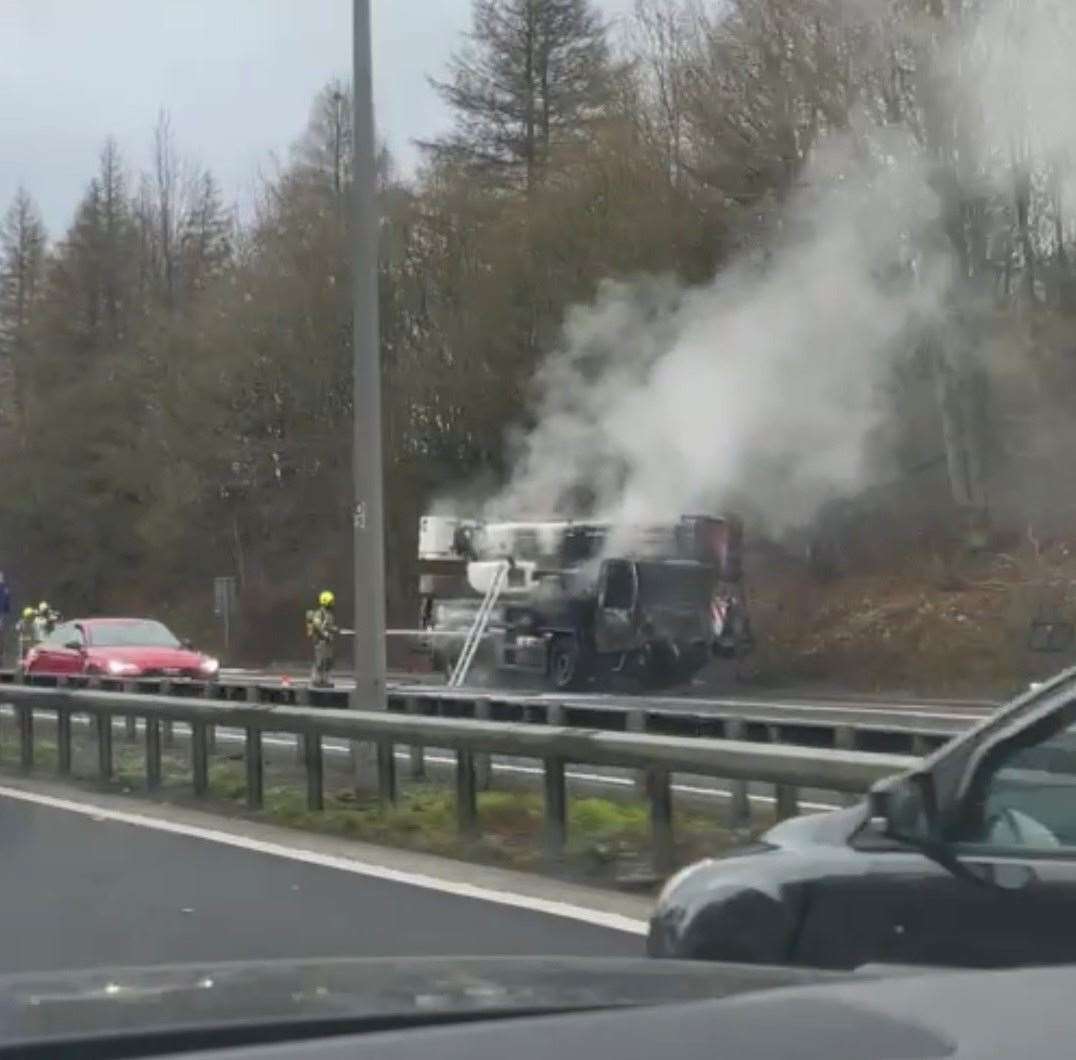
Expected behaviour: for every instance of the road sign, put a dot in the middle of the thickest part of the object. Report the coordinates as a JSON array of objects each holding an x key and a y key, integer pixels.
[{"x": 225, "y": 605}]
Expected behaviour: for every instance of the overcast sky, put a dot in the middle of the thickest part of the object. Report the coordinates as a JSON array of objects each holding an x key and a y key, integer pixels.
[{"x": 237, "y": 76}]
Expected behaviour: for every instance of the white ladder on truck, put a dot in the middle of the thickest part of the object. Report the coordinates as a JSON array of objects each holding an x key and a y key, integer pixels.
[{"x": 478, "y": 627}]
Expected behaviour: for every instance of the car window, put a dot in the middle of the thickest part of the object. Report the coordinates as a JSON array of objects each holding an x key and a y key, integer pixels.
[
  {"x": 132, "y": 635},
  {"x": 62, "y": 634},
  {"x": 1024, "y": 795},
  {"x": 619, "y": 585}
]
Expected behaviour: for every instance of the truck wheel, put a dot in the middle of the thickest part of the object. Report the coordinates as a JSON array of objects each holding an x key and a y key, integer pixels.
[{"x": 566, "y": 664}]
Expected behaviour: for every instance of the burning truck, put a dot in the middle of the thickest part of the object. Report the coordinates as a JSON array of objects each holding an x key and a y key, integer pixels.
[{"x": 576, "y": 603}]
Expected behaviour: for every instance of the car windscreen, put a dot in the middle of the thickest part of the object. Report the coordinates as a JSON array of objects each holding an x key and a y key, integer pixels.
[{"x": 130, "y": 635}]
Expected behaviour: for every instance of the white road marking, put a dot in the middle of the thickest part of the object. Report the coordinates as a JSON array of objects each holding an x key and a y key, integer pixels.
[{"x": 566, "y": 910}]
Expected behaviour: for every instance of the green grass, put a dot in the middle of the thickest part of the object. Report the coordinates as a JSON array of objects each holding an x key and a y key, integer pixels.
[{"x": 603, "y": 836}]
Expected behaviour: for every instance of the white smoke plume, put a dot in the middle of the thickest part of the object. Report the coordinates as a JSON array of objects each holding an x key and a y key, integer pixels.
[
  {"x": 762, "y": 389},
  {"x": 762, "y": 385}
]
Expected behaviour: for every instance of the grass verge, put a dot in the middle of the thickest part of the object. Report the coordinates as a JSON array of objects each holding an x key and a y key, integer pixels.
[{"x": 608, "y": 842}]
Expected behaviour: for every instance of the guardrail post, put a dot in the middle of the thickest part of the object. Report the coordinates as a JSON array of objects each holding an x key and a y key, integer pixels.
[
  {"x": 740, "y": 805},
  {"x": 255, "y": 770},
  {"x": 199, "y": 760},
  {"x": 787, "y": 796},
  {"x": 634, "y": 721},
  {"x": 25, "y": 717},
  {"x": 418, "y": 752},
  {"x": 844, "y": 739},
  {"x": 661, "y": 823},
  {"x": 386, "y": 772},
  {"x": 153, "y": 753},
  {"x": 556, "y": 808},
  {"x": 168, "y": 728},
  {"x": 302, "y": 699},
  {"x": 466, "y": 795},
  {"x": 104, "y": 746},
  {"x": 788, "y": 801},
  {"x": 483, "y": 763},
  {"x": 63, "y": 742},
  {"x": 315, "y": 797},
  {"x": 130, "y": 720}
]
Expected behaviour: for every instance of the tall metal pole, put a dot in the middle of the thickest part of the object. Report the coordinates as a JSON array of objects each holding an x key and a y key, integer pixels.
[{"x": 368, "y": 513}]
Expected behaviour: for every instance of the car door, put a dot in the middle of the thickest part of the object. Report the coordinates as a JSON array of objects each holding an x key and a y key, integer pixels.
[
  {"x": 55, "y": 656},
  {"x": 618, "y": 595},
  {"x": 1009, "y": 895}
]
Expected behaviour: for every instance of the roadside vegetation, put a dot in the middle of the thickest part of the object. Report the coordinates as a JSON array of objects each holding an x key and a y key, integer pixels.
[
  {"x": 608, "y": 842},
  {"x": 175, "y": 381}
]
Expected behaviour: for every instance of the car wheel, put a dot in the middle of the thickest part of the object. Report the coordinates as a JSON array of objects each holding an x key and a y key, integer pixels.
[{"x": 566, "y": 665}]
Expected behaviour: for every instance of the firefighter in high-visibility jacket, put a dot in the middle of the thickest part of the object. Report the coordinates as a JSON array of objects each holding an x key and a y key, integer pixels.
[
  {"x": 26, "y": 630},
  {"x": 45, "y": 620},
  {"x": 322, "y": 629}
]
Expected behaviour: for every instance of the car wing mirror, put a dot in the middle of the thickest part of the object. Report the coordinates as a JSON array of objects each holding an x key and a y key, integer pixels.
[
  {"x": 903, "y": 810},
  {"x": 74, "y": 645}
]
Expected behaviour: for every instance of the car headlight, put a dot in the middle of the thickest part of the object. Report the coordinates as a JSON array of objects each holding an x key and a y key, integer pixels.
[
  {"x": 117, "y": 667},
  {"x": 209, "y": 665}
]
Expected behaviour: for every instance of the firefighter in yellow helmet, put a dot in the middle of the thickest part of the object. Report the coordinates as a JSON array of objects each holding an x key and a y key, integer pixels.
[
  {"x": 322, "y": 629},
  {"x": 26, "y": 630},
  {"x": 45, "y": 620}
]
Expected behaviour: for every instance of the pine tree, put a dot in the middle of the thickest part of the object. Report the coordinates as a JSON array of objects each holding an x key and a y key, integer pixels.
[
  {"x": 534, "y": 76},
  {"x": 22, "y": 262}
]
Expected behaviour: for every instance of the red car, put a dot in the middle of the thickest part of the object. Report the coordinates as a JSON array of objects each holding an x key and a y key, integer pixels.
[{"x": 117, "y": 647}]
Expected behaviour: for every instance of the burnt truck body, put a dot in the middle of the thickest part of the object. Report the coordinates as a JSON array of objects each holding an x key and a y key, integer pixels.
[{"x": 579, "y": 602}]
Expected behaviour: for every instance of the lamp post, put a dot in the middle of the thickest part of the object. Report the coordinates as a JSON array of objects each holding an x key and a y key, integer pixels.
[{"x": 367, "y": 514}]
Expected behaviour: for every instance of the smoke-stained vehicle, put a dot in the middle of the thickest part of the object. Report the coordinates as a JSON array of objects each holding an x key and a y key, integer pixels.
[{"x": 577, "y": 603}]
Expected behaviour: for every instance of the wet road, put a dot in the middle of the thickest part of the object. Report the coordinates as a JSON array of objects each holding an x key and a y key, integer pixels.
[{"x": 78, "y": 892}]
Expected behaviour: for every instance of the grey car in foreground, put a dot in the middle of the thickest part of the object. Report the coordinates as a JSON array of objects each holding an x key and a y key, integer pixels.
[{"x": 969, "y": 860}]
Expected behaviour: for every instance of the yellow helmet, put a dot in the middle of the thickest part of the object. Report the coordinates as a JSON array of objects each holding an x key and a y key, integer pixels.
[
  {"x": 326, "y": 599},
  {"x": 27, "y": 612}
]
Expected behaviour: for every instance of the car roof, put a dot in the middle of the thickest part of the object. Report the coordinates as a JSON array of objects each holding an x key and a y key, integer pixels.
[
  {"x": 100, "y": 621},
  {"x": 112, "y": 621}
]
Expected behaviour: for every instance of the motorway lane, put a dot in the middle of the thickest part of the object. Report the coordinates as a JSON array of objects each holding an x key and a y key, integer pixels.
[
  {"x": 79, "y": 892},
  {"x": 685, "y": 698}
]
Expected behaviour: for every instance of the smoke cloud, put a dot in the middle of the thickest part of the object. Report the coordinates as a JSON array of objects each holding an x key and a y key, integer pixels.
[
  {"x": 762, "y": 389},
  {"x": 762, "y": 386}
]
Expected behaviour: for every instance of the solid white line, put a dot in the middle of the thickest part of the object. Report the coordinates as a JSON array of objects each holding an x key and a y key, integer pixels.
[{"x": 613, "y": 921}]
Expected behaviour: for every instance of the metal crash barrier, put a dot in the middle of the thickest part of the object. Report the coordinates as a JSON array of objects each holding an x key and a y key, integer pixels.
[
  {"x": 788, "y": 768},
  {"x": 905, "y": 728}
]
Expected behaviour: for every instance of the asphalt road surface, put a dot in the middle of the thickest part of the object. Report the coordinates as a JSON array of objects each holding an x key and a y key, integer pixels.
[{"x": 78, "y": 892}]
